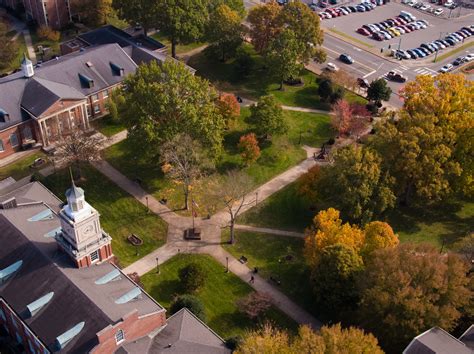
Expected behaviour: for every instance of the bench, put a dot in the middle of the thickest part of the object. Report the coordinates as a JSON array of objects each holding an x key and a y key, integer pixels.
[{"x": 243, "y": 259}]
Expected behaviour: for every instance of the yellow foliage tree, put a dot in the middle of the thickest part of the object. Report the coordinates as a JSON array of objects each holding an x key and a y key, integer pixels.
[{"x": 378, "y": 235}]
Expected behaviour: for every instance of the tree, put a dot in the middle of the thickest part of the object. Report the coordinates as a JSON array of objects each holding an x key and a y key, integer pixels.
[
  {"x": 236, "y": 5},
  {"x": 334, "y": 280},
  {"x": 231, "y": 192},
  {"x": 282, "y": 56},
  {"x": 410, "y": 288},
  {"x": 465, "y": 247},
  {"x": 428, "y": 149},
  {"x": 333, "y": 339},
  {"x": 161, "y": 101},
  {"x": 192, "y": 277},
  {"x": 182, "y": 21},
  {"x": 9, "y": 48},
  {"x": 267, "y": 117},
  {"x": 378, "y": 235},
  {"x": 93, "y": 12},
  {"x": 254, "y": 304},
  {"x": 243, "y": 62},
  {"x": 116, "y": 99},
  {"x": 328, "y": 91},
  {"x": 78, "y": 147},
  {"x": 379, "y": 91},
  {"x": 225, "y": 32},
  {"x": 142, "y": 12},
  {"x": 45, "y": 32},
  {"x": 249, "y": 150},
  {"x": 192, "y": 303},
  {"x": 265, "y": 24},
  {"x": 184, "y": 160},
  {"x": 229, "y": 108},
  {"x": 329, "y": 230},
  {"x": 341, "y": 116},
  {"x": 355, "y": 183}
]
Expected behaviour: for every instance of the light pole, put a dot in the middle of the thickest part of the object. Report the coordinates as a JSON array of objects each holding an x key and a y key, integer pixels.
[
  {"x": 256, "y": 197},
  {"x": 436, "y": 54},
  {"x": 147, "y": 209},
  {"x": 227, "y": 264},
  {"x": 157, "y": 266}
]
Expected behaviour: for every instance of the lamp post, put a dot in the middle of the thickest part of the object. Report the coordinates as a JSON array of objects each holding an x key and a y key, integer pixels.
[
  {"x": 157, "y": 266},
  {"x": 256, "y": 197},
  {"x": 147, "y": 209},
  {"x": 227, "y": 264}
]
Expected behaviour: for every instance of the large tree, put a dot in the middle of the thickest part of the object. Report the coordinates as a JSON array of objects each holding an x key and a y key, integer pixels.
[
  {"x": 265, "y": 24},
  {"x": 378, "y": 235},
  {"x": 161, "y": 101},
  {"x": 267, "y": 117},
  {"x": 225, "y": 32},
  {"x": 410, "y": 288},
  {"x": 236, "y": 5},
  {"x": 182, "y": 21},
  {"x": 355, "y": 183},
  {"x": 9, "y": 48},
  {"x": 92, "y": 12},
  {"x": 141, "y": 12},
  {"x": 428, "y": 149},
  {"x": 330, "y": 339},
  {"x": 379, "y": 91}
]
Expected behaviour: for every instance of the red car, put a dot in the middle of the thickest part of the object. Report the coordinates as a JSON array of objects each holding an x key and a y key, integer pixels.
[{"x": 363, "y": 31}]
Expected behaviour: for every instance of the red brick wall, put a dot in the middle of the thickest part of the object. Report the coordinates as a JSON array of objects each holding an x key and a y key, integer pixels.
[
  {"x": 34, "y": 8},
  {"x": 101, "y": 102},
  {"x": 133, "y": 327},
  {"x": 57, "y": 12},
  {"x": 18, "y": 130}
]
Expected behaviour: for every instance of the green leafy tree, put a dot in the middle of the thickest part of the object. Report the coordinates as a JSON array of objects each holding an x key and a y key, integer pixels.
[
  {"x": 192, "y": 303},
  {"x": 267, "y": 117},
  {"x": 182, "y": 21},
  {"x": 244, "y": 62},
  {"x": 9, "y": 48},
  {"x": 225, "y": 32},
  {"x": 236, "y": 5},
  {"x": 410, "y": 288},
  {"x": 355, "y": 183},
  {"x": 142, "y": 12},
  {"x": 92, "y": 12},
  {"x": 378, "y": 91},
  {"x": 265, "y": 25},
  {"x": 192, "y": 277},
  {"x": 282, "y": 56},
  {"x": 161, "y": 101},
  {"x": 334, "y": 280},
  {"x": 329, "y": 92}
]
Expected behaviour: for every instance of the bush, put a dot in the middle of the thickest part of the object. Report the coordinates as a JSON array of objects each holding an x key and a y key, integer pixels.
[
  {"x": 249, "y": 149},
  {"x": 45, "y": 32},
  {"x": 192, "y": 303},
  {"x": 243, "y": 62},
  {"x": 233, "y": 342},
  {"x": 254, "y": 304},
  {"x": 192, "y": 277}
]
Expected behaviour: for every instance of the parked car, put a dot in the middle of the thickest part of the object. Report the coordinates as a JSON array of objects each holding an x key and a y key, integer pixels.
[
  {"x": 412, "y": 54},
  {"x": 420, "y": 53},
  {"x": 469, "y": 57},
  {"x": 459, "y": 61},
  {"x": 393, "y": 76},
  {"x": 364, "y": 83},
  {"x": 438, "y": 11},
  {"x": 402, "y": 54},
  {"x": 425, "y": 7},
  {"x": 363, "y": 31},
  {"x": 446, "y": 68},
  {"x": 346, "y": 58},
  {"x": 332, "y": 67}
]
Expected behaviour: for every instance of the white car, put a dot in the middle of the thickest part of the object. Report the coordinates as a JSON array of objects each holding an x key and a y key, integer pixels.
[
  {"x": 446, "y": 68},
  {"x": 332, "y": 67},
  {"x": 469, "y": 57},
  {"x": 425, "y": 7},
  {"x": 438, "y": 11}
]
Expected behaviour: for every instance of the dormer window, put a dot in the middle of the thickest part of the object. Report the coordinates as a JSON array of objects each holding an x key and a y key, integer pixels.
[
  {"x": 4, "y": 116},
  {"x": 86, "y": 81},
  {"x": 117, "y": 70}
]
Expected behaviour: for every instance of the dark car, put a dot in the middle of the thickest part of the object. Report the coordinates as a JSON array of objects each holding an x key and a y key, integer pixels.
[
  {"x": 458, "y": 61},
  {"x": 412, "y": 54},
  {"x": 393, "y": 76},
  {"x": 346, "y": 58},
  {"x": 364, "y": 83}
]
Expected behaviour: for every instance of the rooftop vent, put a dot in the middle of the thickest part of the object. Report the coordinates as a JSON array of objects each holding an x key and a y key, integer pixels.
[
  {"x": 89, "y": 64},
  {"x": 86, "y": 81},
  {"x": 8, "y": 204},
  {"x": 133, "y": 294},
  {"x": 42, "y": 216},
  {"x": 117, "y": 70},
  {"x": 37, "y": 305},
  {"x": 6, "y": 273},
  {"x": 4, "y": 116},
  {"x": 66, "y": 337},
  {"x": 113, "y": 275}
]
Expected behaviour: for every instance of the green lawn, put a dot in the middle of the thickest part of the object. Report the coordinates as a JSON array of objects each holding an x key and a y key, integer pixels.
[
  {"x": 269, "y": 254},
  {"x": 107, "y": 126},
  {"x": 181, "y": 48},
  {"x": 52, "y": 45},
  {"x": 120, "y": 213},
  {"x": 218, "y": 295},
  {"x": 21, "y": 168},
  {"x": 258, "y": 82},
  {"x": 16, "y": 62},
  {"x": 283, "y": 153}
]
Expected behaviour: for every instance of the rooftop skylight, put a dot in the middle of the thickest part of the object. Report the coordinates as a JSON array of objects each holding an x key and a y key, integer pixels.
[
  {"x": 46, "y": 214},
  {"x": 66, "y": 337},
  {"x": 6, "y": 273},
  {"x": 111, "y": 276},
  {"x": 133, "y": 294},
  {"x": 37, "y": 305}
]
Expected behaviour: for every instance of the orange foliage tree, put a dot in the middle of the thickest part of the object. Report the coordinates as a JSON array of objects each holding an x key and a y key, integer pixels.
[
  {"x": 341, "y": 116},
  {"x": 229, "y": 108},
  {"x": 249, "y": 149}
]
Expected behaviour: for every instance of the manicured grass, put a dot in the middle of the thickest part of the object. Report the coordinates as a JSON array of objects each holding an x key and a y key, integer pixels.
[
  {"x": 16, "y": 62},
  {"x": 107, "y": 126},
  {"x": 284, "y": 210},
  {"x": 218, "y": 295},
  {"x": 52, "y": 45},
  {"x": 454, "y": 51},
  {"x": 121, "y": 214},
  {"x": 259, "y": 82},
  {"x": 21, "y": 168},
  {"x": 283, "y": 153},
  {"x": 181, "y": 48},
  {"x": 269, "y": 254},
  {"x": 349, "y": 37}
]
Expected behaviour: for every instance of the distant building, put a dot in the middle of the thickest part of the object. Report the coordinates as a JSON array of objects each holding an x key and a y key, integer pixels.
[
  {"x": 437, "y": 341},
  {"x": 59, "y": 293}
]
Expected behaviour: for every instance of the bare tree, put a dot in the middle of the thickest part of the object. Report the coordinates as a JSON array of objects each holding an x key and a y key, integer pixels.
[
  {"x": 184, "y": 160},
  {"x": 254, "y": 304},
  {"x": 78, "y": 147},
  {"x": 232, "y": 192}
]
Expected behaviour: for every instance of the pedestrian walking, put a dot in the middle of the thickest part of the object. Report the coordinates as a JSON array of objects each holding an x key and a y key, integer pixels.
[{"x": 252, "y": 279}]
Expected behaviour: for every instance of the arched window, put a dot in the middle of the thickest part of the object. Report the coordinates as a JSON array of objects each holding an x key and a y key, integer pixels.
[{"x": 119, "y": 336}]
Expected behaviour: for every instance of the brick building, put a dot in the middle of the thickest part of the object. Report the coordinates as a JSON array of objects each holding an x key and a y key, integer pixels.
[
  {"x": 58, "y": 293},
  {"x": 53, "y": 13}
]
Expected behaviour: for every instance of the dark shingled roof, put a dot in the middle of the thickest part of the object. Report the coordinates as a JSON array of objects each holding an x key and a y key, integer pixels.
[{"x": 37, "y": 277}]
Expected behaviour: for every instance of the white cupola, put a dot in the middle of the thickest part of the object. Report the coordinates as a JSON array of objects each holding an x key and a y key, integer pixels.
[
  {"x": 77, "y": 208},
  {"x": 27, "y": 67}
]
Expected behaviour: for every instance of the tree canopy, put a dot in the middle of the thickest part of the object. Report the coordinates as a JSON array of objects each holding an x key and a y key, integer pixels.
[
  {"x": 192, "y": 303},
  {"x": 264, "y": 25},
  {"x": 267, "y": 117},
  {"x": 225, "y": 32},
  {"x": 161, "y": 101},
  {"x": 142, "y": 12},
  {"x": 378, "y": 91},
  {"x": 9, "y": 48}
]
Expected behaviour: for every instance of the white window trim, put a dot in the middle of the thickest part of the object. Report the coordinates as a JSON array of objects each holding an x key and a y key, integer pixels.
[
  {"x": 95, "y": 100},
  {"x": 106, "y": 93},
  {"x": 98, "y": 111},
  {"x": 118, "y": 341},
  {"x": 17, "y": 142},
  {"x": 98, "y": 256},
  {"x": 2, "y": 146}
]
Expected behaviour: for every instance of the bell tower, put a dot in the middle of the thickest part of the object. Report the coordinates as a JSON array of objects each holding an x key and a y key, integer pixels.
[
  {"x": 82, "y": 236},
  {"x": 27, "y": 67}
]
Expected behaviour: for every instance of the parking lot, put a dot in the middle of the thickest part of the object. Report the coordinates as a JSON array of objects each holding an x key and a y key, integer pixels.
[{"x": 438, "y": 26}]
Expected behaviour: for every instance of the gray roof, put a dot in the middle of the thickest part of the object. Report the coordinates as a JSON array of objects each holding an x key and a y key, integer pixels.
[
  {"x": 468, "y": 337},
  {"x": 436, "y": 341}
]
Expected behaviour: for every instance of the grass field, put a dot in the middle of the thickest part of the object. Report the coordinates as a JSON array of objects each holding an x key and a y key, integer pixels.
[
  {"x": 107, "y": 126},
  {"x": 15, "y": 63},
  {"x": 283, "y": 153},
  {"x": 353, "y": 39},
  {"x": 21, "y": 168},
  {"x": 218, "y": 295},
  {"x": 258, "y": 82},
  {"x": 121, "y": 214}
]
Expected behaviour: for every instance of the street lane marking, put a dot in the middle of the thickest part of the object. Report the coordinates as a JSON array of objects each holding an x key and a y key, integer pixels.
[
  {"x": 358, "y": 62},
  {"x": 367, "y": 75}
]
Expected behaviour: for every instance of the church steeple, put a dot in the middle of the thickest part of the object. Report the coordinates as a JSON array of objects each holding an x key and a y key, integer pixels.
[
  {"x": 75, "y": 197},
  {"x": 27, "y": 67}
]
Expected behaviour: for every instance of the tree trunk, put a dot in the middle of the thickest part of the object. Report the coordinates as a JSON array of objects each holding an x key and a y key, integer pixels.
[
  {"x": 145, "y": 31},
  {"x": 407, "y": 195},
  {"x": 173, "y": 47},
  {"x": 186, "y": 197},
  {"x": 281, "y": 85},
  {"x": 223, "y": 54},
  {"x": 232, "y": 236}
]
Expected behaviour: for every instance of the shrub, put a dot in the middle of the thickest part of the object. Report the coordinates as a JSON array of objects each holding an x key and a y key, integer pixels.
[
  {"x": 249, "y": 150},
  {"x": 254, "y": 304},
  {"x": 192, "y": 303},
  {"x": 229, "y": 107},
  {"x": 233, "y": 342},
  {"x": 192, "y": 277},
  {"x": 45, "y": 32}
]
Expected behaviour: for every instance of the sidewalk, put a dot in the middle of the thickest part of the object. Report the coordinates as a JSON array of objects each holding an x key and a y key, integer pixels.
[{"x": 266, "y": 230}]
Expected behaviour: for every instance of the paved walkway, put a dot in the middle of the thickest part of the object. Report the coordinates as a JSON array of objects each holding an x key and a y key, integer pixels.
[
  {"x": 247, "y": 103},
  {"x": 29, "y": 45},
  {"x": 266, "y": 230}
]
